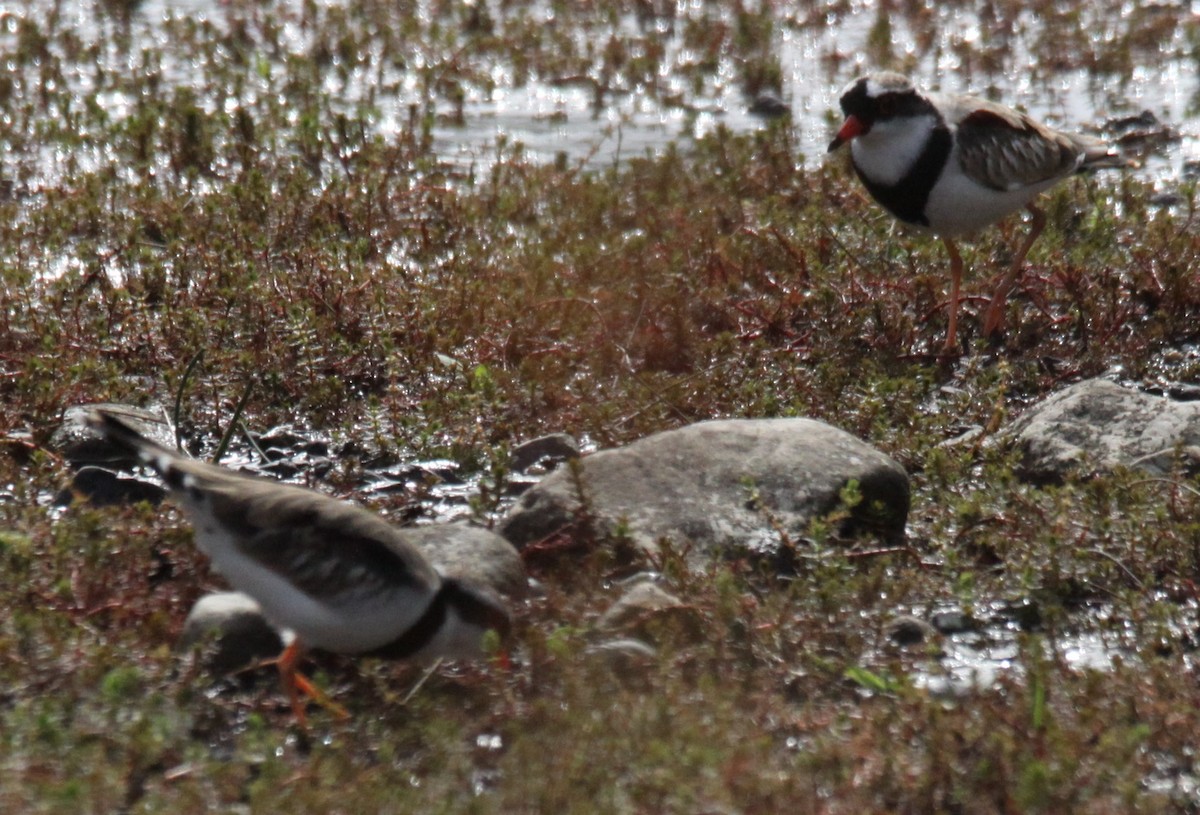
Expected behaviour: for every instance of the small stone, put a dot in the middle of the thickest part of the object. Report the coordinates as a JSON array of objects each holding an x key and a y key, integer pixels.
[
  {"x": 643, "y": 599},
  {"x": 102, "y": 488},
  {"x": 630, "y": 660},
  {"x": 239, "y": 633},
  {"x": 904, "y": 629},
  {"x": 284, "y": 440},
  {"x": 1099, "y": 425},
  {"x": 968, "y": 435},
  {"x": 1165, "y": 199},
  {"x": 624, "y": 653},
  {"x": 1183, "y": 391},
  {"x": 769, "y": 105},
  {"x": 554, "y": 449},
  {"x": 1141, "y": 120},
  {"x": 953, "y": 622},
  {"x": 1026, "y": 613}
]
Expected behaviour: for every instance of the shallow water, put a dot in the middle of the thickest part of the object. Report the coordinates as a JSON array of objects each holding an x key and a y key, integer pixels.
[{"x": 1117, "y": 59}]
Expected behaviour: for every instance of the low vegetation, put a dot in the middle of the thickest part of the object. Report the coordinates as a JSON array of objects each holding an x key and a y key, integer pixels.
[{"x": 260, "y": 221}]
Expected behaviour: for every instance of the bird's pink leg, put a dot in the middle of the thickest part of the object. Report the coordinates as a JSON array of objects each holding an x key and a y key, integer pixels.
[
  {"x": 994, "y": 320},
  {"x": 956, "y": 270}
]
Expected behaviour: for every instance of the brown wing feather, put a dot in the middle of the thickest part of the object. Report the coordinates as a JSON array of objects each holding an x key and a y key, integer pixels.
[
  {"x": 1006, "y": 150},
  {"x": 323, "y": 546}
]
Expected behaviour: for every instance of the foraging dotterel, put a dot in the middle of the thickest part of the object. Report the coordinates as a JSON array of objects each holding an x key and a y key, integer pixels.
[
  {"x": 952, "y": 164},
  {"x": 339, "y": 577}
]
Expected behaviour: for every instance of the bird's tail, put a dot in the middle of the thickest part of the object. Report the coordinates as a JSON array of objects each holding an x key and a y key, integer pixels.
[
  {"x": 118, "y": 432},
  {"x": 1099, "y": 155}
]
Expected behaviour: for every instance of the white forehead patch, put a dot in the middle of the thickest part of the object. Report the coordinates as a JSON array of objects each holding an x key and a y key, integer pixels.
[{"x": 879, "y": 84}]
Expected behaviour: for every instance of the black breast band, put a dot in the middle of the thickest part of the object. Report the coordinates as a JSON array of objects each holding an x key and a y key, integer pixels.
[
  {"x": 419, "y": 634},
  {"x": 906, "y": 198}
]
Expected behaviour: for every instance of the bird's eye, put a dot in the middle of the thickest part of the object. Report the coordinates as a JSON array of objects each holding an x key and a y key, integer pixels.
[{"x": 886, "y": 105}]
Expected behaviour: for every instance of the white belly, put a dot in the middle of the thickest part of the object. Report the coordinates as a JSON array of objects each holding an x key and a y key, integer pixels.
[
  {"x": 355, "y": 625},
  {"x": 959, "y": 206}
]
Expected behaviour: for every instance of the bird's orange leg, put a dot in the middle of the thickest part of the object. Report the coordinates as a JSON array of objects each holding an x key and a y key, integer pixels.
[
  {"x": 994, "y": 320},
  {"x": 956, "y": 270},
  {"x": 295, "y": 683}
]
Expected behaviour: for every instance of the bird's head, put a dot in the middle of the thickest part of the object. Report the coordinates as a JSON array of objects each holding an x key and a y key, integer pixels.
[{"x": 877, "y": 98}]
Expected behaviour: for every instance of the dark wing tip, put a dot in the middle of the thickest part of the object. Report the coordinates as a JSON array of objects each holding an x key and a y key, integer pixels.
[
  {"x": 115, "y": 430},
  {"x": 118, "y": 432},
  {"x": 1101, "y": 156}
]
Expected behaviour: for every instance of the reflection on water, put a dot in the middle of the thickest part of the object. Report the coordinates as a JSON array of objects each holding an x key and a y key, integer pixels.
[
  {"x": 998, "y": 647},
  {"x": 562, "y": 98}
]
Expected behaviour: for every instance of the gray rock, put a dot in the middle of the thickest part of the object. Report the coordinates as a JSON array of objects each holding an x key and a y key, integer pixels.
[
  {"x": 654, "y": 615},
  {"x": 81, "y": 447},
  {"x": 473, "y": 553},
  {"x": 624, "y": 656},
  {"x": 769, "y": 105},
  {"x": 953, "y": 621},
  {"x": 1099, "y": 425},
  {"x": 234, "y": 624},
  {"x": 695, "y": 485}
]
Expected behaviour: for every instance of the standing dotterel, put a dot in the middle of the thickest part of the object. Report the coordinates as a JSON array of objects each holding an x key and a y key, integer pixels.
[{"x": 952, "y": 164}]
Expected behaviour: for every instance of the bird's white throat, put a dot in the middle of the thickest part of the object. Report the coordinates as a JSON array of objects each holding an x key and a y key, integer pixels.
[{"x": 892, "y": 147}]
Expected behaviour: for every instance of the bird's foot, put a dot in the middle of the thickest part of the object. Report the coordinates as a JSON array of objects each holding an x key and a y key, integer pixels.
[
  {"x": 296, "y": 683},
  {"x": 307, "y": 688}
]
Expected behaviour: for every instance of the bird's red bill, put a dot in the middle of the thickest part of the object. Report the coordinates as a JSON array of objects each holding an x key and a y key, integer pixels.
[{"x": 852, "y": 127}]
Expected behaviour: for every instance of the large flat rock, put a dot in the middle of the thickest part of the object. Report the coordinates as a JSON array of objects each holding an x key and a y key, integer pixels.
[{"x": 695, "y": 485}]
